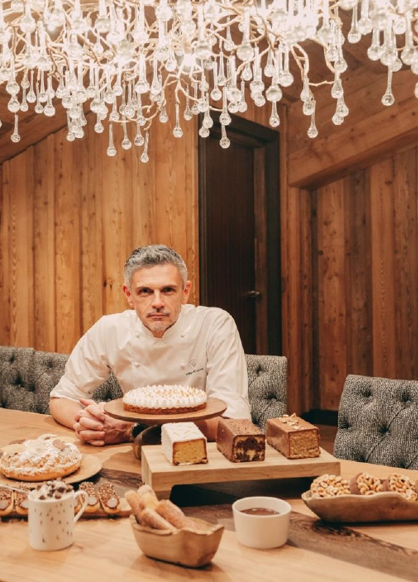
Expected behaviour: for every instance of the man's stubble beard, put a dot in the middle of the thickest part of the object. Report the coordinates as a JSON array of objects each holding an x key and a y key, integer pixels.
[{"x": 159, "y": 326}]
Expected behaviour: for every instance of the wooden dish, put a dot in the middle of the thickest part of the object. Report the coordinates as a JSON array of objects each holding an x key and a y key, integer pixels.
[
  {"x": 90, "y": 465},
  {"x": 184, "y": 547},
  {"x": 214, "y": 407},
  {"x": 385, "y": 506}
]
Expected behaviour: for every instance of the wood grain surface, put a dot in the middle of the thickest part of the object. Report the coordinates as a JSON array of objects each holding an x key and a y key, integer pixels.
[{"x": 106, "y": 548}]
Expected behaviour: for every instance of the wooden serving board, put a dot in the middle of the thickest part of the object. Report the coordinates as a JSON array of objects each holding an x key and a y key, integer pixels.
[
  {"x": 124, "y": 511},
  {"x": 161, "y": 475}
]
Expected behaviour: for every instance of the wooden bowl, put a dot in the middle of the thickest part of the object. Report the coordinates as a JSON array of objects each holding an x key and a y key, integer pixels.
[
  {"x": 184, "y": 547},
  {"x": 385, "y": 506}
]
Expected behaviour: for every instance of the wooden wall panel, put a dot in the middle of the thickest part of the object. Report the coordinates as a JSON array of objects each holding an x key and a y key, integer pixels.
[
  {"x": 92, "y": 289},
  {"x": 383, "y": 268},
  {"x": 358, "y": 283},
  {"x": 70, "y": 216},
  {"x": 406, "y": 263},
  {"x": 44, "y": 246},
  {"x": 332, "y": 286},
  {"x": 297, "y": 296},
  {"x": 66, "y": 164},
  {"x": 5, "y": 222},
  {"x": 20, "y": 250},
  {"x": 365, "y": 277}
]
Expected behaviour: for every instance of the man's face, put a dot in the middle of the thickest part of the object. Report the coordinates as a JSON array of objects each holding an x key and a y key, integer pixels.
[{"x": 157, "y": 294}]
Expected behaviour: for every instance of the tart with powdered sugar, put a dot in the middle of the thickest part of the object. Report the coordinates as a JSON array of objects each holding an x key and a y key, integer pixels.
[
  {"x": 164, "y": 399},
  {"x": 41, "y": 459}
]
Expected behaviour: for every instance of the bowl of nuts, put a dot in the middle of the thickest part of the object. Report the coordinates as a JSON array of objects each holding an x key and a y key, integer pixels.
[{"x": 363, "y": 498}]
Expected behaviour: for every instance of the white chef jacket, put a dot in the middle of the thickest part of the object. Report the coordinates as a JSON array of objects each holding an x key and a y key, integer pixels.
[{"x": 202, "y": 349}]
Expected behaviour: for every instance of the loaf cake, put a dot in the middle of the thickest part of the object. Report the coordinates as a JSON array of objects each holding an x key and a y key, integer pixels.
[
  {"x": 41, "y": 459},
  {"x": 240, "y": 440},
  {"x": 294, "y": 437},
  {"x": 164, "y": 399},
  {"x": 183, "y": 443}
]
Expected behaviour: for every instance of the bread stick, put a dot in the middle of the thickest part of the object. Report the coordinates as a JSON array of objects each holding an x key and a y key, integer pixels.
[
  {"x": 171, "y": 513},
  {"x": 147, "y": 497},
  {"x": 133, "y": 500},
  {"x": 151, "y": 518}
]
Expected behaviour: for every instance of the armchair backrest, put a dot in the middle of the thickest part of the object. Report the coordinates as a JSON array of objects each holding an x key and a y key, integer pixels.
[
  {"x": 267, "y": 387},
  {"x": 378, "y": 422}
]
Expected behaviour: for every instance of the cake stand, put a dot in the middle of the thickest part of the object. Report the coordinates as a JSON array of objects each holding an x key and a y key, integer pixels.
[{"x": 152, "y": 434}]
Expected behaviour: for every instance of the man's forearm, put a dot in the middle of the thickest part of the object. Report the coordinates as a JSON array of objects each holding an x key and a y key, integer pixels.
[{"x": 64, "y": 410}]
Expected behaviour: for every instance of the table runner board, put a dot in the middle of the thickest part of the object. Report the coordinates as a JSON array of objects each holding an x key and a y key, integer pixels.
[
  {"x": 161, "y": 475},
  {"x": 334, "y": 541}
]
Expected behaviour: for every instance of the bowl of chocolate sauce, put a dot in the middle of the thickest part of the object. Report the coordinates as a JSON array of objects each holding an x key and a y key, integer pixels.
[
  {"x": 259, "y": 511},
  {"x": 261, "y": 522}
]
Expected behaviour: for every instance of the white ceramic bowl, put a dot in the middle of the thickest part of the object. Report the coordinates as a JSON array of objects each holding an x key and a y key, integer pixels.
[{"x": 262, "y": 531}]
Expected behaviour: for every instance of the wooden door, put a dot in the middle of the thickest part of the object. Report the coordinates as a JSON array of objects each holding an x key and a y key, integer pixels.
[{"x": 239, "y": 231}]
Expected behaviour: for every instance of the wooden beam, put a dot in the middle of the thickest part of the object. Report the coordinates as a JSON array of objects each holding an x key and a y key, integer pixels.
[{"x": 372, "y": 131}]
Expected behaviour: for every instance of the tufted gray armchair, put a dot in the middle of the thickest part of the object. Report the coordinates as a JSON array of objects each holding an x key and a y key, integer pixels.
[
  {"x": 378, "y": 422},
  {"x": 267, "y": 387},
  {"x": 27, "y": 377}
]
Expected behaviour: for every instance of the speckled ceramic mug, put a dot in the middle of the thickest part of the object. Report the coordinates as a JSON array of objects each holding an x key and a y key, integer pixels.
[{"x": 51, "y": 521}]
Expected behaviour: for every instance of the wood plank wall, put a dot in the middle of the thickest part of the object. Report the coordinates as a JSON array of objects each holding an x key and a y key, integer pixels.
[
  {"x": 363, "y": 246},
  {"x": 69, "y": 218}
]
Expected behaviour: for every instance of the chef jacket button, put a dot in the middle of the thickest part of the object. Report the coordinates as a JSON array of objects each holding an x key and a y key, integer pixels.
[{"x": 137, "y": 364}]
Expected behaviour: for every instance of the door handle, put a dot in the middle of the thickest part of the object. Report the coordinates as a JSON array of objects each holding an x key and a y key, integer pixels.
[{"x": 254, "y": 294}]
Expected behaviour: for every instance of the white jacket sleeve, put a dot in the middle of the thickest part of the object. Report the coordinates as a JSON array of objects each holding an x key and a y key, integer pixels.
[
  {"x": 86, "y": 367},
  {"x": 227, "y": 370}
]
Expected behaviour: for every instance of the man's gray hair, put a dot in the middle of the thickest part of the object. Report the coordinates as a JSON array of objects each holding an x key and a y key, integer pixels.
[{"x": 151, "y": 256}]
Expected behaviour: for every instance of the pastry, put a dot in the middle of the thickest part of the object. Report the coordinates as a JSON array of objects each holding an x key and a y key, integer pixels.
[
  {"x": 93, "y": 503},
  {"x": 40, "y": 459},
  {"x": 149, "y": 517},
  {"x": 6, "y": 501},
  {"x": 109, "y": 499},
  {"x": 171, "y": 513},
  {"x": 240, "y": 440},
  {"x": 164, "y": 399},
  {"x": 21, "y": 499},
  {"x": 147, "y": 497},
  {"x": 132, "y": 498},
  {"x": 294, "y": 437},
  {"x": 183, "y": 443}
]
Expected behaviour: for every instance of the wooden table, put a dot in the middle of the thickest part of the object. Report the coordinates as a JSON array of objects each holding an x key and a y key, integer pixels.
[{"x": 106, "y": 550}]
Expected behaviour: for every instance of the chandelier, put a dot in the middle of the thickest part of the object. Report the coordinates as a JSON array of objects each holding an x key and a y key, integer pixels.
[{"x": 121, "y": 59}]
